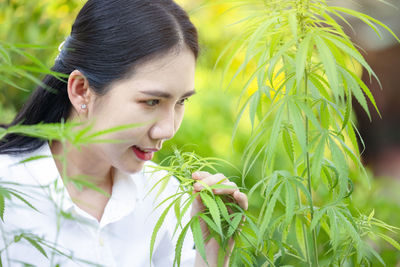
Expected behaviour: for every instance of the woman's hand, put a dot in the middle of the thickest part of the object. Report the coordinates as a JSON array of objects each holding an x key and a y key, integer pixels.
[{"x": 212, "y": 247}]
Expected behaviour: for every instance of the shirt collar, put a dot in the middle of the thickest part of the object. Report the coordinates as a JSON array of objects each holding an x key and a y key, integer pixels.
[{"x": 123, "y": 198}]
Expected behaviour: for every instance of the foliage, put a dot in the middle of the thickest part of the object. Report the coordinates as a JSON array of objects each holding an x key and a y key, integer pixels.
[
  {"x": 211, "y": 113},
  {"x": 37, "y": 27},
  {"x": 66, "y": 133},
  {"x": 302, "y": 104},
  {"x": 221, "y": 215}
]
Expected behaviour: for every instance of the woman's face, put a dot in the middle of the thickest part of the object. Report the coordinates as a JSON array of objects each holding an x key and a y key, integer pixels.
[{"x": 153, "y": 97}]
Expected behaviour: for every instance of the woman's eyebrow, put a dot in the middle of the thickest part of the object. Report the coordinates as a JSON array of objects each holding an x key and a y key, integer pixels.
[{"x": 165, "y": 94}]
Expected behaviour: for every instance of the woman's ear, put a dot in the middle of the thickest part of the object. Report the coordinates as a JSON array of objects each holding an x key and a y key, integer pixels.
[{"x": 79, "y": 92}]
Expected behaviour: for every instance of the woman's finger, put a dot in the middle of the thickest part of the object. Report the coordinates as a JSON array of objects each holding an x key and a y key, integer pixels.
[
  {"x": 210, "y": 180},
  {"x": 241, "y": 199},
  {"x": 200, "y": 175},
  {"x": 229, "y": 190}
]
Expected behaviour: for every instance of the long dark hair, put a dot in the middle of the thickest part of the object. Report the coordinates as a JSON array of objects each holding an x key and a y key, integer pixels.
[{"x": 107, "y": 40}]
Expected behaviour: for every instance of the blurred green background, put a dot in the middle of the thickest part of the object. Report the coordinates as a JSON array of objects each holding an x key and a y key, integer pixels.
[{"x": 210, "y": 115}]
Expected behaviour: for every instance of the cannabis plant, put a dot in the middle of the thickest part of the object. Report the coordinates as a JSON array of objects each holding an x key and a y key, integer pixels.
[
  {"x": 222, "y": 216},
  {"x": 72, "y": 133},
  {"x": 299, "y": 98},
  {"x": 10, "y": 71}
]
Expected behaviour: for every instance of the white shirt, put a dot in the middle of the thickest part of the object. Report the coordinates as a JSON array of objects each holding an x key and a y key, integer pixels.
[{"x": 121, "y": 238}]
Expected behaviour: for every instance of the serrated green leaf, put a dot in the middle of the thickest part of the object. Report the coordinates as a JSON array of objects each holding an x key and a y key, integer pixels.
[
  {"x": 222, "y": 208},
  {"x": 247, "y": 258},
  {"x": 209, "y": 223},
  {"x": 92, "y": 137},
  {"x": 293, "y": 24},
  {"x": 288, "y": 143},
  {"x": 290, "y": 203},
  {"x": 301, "y": 57},
  {"x": 317, "y": 158},
  {"x": 366, "y": 91},
  {"x": 303, "y": 189},
  {"x": 177, "y": 207},
  {"x": 2, "y": 207},
  {"x": 258, "y": 34},
  {"x": 356, "y": 90},
  {"x": 366, "y": 19},
  {"x": 329, "y": 64},
  {"x": 212, "y": 206},
  {"x": 298, "y": 124},
  {"x": 253, "y": 105},
  {"x": 36, "y": 245},
  {"x": 234, "y": 224},
  {"x": 162, "y": 183},
  {"x": 4, "y": 54},
  {"x": 179, "y": 244},
  {"x": 17, "y": 238},
  {"x": 350, "y": 50},
  {"x": 276, "y": 127},
  {"x": 341, "y": 165},
  {"x": 348, "y": 110},
  {"x": 308, "y": 112},
  {"x": 324, "y": 116},
  {"x": 187, "y": 204},
  {"x": 33, "y": 158},
  {"x": 349, "y": 228},
  {"x": 268, "y": 214},
  {"x": 17, "y": 194},
  {"x": 300, "y": 236},
  {"x": 81, "y": 181},
  {"x": 198, "y": 238},
  {"x": 318, "y": 214},
  {"x": 390, "y": 240},
  {"x": 238, "y": 119},
  {"x": 157, "y": 228},
  {"x": 321, "y": 84}
]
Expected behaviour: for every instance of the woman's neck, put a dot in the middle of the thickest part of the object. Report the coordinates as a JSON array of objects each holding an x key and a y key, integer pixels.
[{"x": 77, "y": 165}]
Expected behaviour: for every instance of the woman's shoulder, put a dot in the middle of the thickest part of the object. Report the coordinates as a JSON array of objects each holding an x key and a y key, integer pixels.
[
  {"x": 22, "y": 167},
  {"x": 11, "y": 159},
  {"x": 8, "y": 160},
  {"x": 9, "y": 163}
]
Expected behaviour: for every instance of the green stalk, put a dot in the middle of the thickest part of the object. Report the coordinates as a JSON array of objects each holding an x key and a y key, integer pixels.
[
  {"x": 304, "y": 230},
  {"x": 313, "y": 233},
  {"x": 65, "y": 181},
  {"x": 314, "y": 247}
]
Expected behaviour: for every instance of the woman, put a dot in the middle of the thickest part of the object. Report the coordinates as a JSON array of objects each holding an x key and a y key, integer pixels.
[{"x": 129, "y": 62}]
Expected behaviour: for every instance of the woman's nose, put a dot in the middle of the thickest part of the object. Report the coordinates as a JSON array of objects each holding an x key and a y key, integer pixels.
[{"x": 164, "y": 128}]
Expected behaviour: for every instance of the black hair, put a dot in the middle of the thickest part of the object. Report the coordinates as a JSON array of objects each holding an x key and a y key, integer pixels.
[{"x": 108, "y": 39}]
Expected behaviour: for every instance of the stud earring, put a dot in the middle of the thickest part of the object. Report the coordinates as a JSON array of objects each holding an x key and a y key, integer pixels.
[{"x": 83, "y": 106}]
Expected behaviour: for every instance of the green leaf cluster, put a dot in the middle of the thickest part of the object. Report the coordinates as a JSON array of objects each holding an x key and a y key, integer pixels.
[
  {"x": 221, "y": 217},
  {"x": 298, "y": 95}
]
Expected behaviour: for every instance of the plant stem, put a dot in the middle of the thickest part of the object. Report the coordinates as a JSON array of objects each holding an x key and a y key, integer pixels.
[
  {"x": 313, "y": 233},
  {"x": 314, "y": 248}
]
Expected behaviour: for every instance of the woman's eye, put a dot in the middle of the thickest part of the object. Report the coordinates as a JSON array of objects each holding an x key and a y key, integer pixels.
[
  {"x": 182, "y": 101},
  {"x": 152, "y": 102}
]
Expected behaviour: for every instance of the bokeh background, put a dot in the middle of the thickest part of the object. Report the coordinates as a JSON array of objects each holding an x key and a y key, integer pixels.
[{"x": 211, "y": 114}]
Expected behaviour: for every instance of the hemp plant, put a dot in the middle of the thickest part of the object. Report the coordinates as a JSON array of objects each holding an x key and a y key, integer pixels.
[
  {"x": 74, "y": 134},
  {"x": 302, "y": 66},
  {"x": 222, "y": 216},
  {"x": 10, "y": 71}
]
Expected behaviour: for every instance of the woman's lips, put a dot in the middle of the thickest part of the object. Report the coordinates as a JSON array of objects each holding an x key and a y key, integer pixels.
[{"x": 142, "y": 154}]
